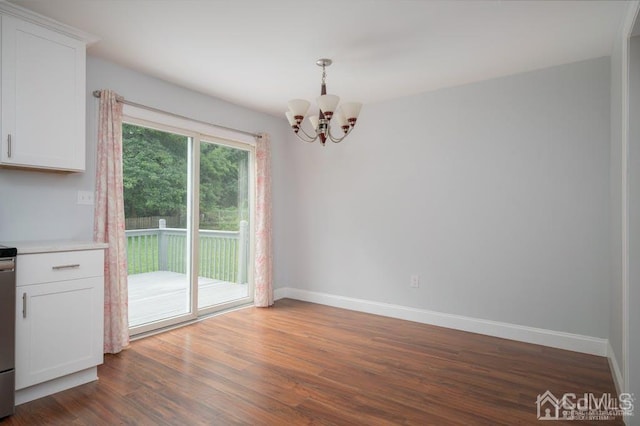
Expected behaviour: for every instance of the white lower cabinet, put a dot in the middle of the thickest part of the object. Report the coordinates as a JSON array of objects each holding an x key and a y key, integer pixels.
[{"x": 59, "y": 315}]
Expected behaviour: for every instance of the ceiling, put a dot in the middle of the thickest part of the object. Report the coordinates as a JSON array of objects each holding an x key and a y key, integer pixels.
[{"x": 260, "y": 53}]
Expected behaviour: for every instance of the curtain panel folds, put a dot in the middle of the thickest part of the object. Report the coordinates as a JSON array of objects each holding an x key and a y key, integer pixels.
[
  {"x": 109, "y": 222},
  {"x": 263, "y": 276}
]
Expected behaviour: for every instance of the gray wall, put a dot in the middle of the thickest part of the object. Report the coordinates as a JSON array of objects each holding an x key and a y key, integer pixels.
[
  {"x": 42, "y": 206},
  {"x": 496, "y": 193}
]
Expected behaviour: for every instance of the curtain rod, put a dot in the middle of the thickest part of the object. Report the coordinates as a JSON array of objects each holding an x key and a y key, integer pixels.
[{"x": 96, "y": 94}]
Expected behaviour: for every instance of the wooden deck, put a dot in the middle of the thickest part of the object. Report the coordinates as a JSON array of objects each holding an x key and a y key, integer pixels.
[{"x": 162, "y": 294}]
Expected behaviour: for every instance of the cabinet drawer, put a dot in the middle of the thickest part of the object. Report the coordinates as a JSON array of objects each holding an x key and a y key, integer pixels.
[{"x": 58, "y": 266}]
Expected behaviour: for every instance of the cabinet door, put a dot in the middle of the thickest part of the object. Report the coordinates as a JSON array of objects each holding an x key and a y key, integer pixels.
[
  {"x": 59, "y": 329},
  {"x": 43, "y": 98}
]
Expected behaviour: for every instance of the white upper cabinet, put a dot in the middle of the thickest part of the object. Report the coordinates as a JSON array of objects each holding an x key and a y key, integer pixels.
[{"x": 43, "y": 95}]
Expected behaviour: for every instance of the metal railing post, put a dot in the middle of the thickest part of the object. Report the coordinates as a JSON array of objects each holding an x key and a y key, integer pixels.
[{"x": 243, "y": 245}]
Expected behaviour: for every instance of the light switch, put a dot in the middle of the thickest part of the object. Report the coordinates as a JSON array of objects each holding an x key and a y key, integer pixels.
[{"x": 85, "y": 198}]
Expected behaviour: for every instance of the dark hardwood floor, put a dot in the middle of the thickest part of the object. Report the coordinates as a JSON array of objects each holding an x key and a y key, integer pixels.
[{"x": 300, "y": 363}]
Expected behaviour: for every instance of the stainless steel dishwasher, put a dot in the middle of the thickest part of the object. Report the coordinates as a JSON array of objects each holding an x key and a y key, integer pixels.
[{"x": 7, "y": 329}]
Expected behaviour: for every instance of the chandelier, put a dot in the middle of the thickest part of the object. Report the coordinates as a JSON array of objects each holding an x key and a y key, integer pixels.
[{"x": 345, "y": 116}]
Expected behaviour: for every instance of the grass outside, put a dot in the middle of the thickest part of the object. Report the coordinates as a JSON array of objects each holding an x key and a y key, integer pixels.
[{"x": 142, "y": 254}]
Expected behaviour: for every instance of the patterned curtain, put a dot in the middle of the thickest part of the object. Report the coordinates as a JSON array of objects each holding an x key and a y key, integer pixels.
[
  {"x": 263, "y": 269},
  {"x": 109, "y": 222}
]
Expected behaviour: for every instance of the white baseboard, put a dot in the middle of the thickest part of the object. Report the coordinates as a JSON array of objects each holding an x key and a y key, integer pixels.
[
  {"x": 538, "y": 336},
  {"x": 281, "y": 293},
  {"x": 56, "y": 385},
  {"x": 615, "y": 369}
]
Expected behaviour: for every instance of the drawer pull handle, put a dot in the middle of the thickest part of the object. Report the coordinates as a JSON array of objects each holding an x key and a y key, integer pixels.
[
  {"x": 9, "y": 145},
  {"x": 60, "y": 267},
  {"x": 24, "y": 305}
]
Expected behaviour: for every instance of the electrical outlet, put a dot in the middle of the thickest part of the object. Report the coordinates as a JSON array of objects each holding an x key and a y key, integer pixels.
[
  {"x": 85, "y": 198},
  {"x": 415, "y": 281}
]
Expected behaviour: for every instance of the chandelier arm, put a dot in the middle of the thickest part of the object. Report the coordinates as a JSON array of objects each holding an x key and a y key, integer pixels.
[
  {"x": 309, "y": 140},
  {"x": 312, "y": 138},
  {"x": 340, "y": 139}
]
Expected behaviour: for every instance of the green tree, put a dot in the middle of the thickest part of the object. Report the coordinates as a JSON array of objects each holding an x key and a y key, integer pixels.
[
  {"x": 220, "y": 170},
  {"x": 155, "y": 177},
  {"x": 155, "y": 172}
]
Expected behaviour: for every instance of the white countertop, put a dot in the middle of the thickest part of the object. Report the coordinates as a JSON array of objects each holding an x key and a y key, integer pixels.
[{"x": 49, "y": 246}]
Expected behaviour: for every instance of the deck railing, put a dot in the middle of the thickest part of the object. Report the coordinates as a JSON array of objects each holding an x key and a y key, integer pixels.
[{"x": 223, "y": 254}]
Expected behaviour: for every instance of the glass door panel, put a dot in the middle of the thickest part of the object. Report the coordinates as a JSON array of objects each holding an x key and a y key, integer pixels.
[
  {"x": 156, "y": 170},
  {"x": 223, "y": 225}
]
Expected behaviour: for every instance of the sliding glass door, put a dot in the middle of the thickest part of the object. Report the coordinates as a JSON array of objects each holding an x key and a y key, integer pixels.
[
  {"x": 156, "y": 193},
  {"x": 188, "y": 208},
  {"x": 223, "y": 225}
]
